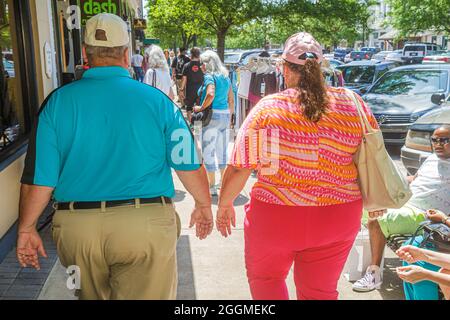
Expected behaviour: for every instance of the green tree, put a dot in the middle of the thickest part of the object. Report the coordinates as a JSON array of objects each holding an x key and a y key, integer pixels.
[
  {"x": 220, "y": 16},
  {"x": 174, "y": 21},
  {"x": 413, "y": 16}
]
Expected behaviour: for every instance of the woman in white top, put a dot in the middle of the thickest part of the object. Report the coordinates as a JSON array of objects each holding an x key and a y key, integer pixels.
[{"x": 158, "y": 74}]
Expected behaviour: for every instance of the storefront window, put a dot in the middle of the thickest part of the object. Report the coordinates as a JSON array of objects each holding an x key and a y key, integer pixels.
[
  {"x": 11, "y": 110},
  {"x": 18, "y": 100}
]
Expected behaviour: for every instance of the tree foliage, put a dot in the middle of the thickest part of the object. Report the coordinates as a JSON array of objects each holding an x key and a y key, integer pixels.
[
  {"x": 251, "y": 23},
  {"x": 413, "y": 16}
]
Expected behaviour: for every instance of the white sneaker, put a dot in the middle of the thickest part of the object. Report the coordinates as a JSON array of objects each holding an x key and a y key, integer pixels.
[
  {"x": 372, "y": 280},
  {"x": 213, "y": 191}
]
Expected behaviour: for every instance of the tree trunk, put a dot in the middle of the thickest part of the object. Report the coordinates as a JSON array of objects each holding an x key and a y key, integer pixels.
[{"x": 221, "y": 35}]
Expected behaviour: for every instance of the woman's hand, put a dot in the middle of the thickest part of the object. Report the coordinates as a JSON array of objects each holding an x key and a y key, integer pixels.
[
  {"x": 197, "y": 109},
  {"x": 377, "y": 214},
  {"x": 436, "y": 216},
  {"x": 410, "y": 254},
  {"x": 412, "y": 274},
  {"x": 226, "y": 217}
]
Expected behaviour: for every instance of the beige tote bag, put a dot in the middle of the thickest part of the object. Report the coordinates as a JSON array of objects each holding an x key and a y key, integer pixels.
[{"x": 381, "y": 183}]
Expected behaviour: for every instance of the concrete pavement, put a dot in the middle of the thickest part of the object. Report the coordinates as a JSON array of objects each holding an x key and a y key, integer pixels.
[{"x": 214, "y": 268}]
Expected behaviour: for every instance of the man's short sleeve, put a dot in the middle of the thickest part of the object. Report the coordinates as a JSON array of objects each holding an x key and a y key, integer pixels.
[
  {"x": 174, "y": 63},
  {"x": 186, "y": 70},
  {"x": 42, "y": 163},
  {"x": 182, "y": 151}
]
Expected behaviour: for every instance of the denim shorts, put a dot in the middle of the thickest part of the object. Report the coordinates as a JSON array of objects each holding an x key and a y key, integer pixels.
[{"x": 215, "y": 139}]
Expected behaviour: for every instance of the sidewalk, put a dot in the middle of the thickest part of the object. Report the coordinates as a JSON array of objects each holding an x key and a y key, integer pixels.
[{"x": 209, "y": 269}]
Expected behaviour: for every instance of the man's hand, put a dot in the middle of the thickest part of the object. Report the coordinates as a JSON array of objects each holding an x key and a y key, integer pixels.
[
  {"x": 410, "y": 254},
  {"x": 29, "y": 245},
  {"x": 436, "y": 216},
  {"x": 202, "y": 218},
  {"x": 412, "y": 273},
  {"x": 377, "y": 214},
  {"x": 226, "y": 217}
]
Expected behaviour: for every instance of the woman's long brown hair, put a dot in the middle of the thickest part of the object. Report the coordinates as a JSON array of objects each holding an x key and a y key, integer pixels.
[{"x": 312, "y": 89}]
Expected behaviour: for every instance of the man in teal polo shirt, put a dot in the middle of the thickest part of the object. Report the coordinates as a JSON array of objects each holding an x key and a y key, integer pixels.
[{"x": 104, "y": 147}]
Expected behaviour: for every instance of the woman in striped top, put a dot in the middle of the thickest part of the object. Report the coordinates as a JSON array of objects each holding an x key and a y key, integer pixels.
[{"x": 306, "y": 206}]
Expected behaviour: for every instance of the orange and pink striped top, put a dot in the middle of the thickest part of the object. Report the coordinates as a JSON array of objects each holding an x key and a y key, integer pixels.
[{"x": 299, "y": 162}]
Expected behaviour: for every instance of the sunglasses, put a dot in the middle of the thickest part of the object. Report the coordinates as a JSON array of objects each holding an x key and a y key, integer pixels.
[{"x": 440, "y": 141}]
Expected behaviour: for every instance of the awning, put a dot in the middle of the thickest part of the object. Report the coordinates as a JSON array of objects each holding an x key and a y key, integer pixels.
[{"x": 391, "y": 35}]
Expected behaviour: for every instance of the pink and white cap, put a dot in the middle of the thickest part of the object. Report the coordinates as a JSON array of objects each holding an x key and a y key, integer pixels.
[{"x": 300, "y": 47}]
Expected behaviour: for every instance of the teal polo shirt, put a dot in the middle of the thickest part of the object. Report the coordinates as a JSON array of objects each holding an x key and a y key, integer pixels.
[{"x": 108, "y": 137}]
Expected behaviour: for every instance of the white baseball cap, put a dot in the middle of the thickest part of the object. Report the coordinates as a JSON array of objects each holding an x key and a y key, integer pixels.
[{"x": 106, "y": 30}]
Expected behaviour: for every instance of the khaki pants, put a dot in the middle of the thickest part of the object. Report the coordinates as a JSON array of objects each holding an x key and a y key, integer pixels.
[
  {"x": 180, "y": 92},
  {"x": 123, "y": 253}
]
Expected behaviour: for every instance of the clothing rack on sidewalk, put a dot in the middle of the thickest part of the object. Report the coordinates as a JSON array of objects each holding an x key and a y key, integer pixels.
[{"x": 257, "y": 79}]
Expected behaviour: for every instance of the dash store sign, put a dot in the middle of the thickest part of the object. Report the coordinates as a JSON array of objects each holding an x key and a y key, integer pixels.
[{"x": 90, "y": 8}]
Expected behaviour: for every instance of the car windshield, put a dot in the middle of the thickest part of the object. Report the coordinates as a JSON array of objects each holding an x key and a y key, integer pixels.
[
  {"x": 358, "y": 74},
  {"x": 412, "y": 82},
  {"x": 414, "y": 48},
  {"x": 232, "y": 57}
]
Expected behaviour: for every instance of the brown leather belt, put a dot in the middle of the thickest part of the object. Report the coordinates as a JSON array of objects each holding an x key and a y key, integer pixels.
[{"x": 109, "y": 204}]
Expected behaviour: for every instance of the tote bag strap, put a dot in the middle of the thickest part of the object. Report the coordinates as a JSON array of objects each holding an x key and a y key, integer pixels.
[
  {"x": 154, "y": 78},
  {"x": 367, "y": 128}
]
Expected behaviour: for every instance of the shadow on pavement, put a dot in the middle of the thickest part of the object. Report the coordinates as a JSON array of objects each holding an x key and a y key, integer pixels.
[
  {"x": 392, "y": 287},
  {"x": 186, "y": 284},
  {"x": 179, "y": 195},
  {"x": 240, "y": 201}
]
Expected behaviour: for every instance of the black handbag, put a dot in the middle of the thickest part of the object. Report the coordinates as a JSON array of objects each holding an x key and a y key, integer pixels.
[
  {"x": 205, "y": 115},
  {"x": 436, "y": 236}
]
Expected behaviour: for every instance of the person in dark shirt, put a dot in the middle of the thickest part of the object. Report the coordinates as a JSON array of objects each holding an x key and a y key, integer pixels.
[
  {"x": 192, "y": 80},
  {"x": 265, "y": 53},
  {"x": 177, "y": 73}
]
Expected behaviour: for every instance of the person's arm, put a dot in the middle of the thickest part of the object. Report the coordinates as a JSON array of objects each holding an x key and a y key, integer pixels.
[
  {"x": 183, "y": 83},
  {"x": 209, "y": 98},
  {"x": 414, "y": 274},
  {"x": 234, "y": 180},
  {"x": 196, "y": 183},
  {"x": 40, "y": 176},
  {"x": 171, "y": 93},
  {"x": 33, "y": 200},
  {"x": 231, "y": 100},
  {"x": 412, "y": 254}
]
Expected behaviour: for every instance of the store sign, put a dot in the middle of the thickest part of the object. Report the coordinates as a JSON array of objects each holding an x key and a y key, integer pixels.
[
  {"x": 90, "y": 8},
  {"x": 140, "y": 24}
]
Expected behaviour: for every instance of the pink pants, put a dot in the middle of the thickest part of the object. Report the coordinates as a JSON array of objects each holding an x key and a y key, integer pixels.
[{"x": 317, "y": 240}]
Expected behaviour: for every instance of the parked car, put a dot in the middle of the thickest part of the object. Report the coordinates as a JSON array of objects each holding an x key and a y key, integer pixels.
[
  {"x": 360, "y": 55},
  {"x": 9, "y": 68},
  {"x": 415, "y": 52},
  {"x": 395, "y": 56},
  {"x": 441, "y": 57},
  {"x": 335, "y": 63},
  {"x": 360, "y": 75},
  {"x": 373, "y": 50},
  {"x": 402, "y": 95},
  {"x": 381, "y": 56},
  {"x": 340, "y": 53},
  {"x": 418, "y": 147},
  {"x": 240, "y": 57}
]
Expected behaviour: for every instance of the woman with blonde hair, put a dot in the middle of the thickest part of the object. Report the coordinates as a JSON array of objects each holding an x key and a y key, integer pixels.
[
  {"x": 305, "y": 209},
  {"x": 158, "y": 74},
  {"x": 217, "y": 92}
]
